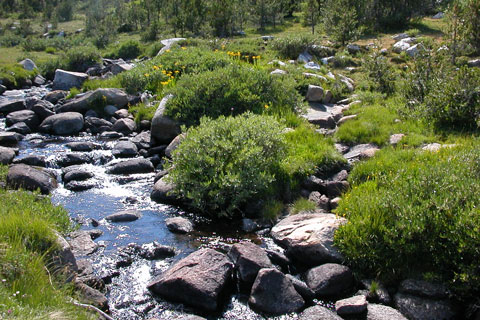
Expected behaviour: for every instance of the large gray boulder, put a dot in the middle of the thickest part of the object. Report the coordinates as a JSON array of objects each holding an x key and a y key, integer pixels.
[
  {"x": 273, "y": 293},
  {"x": 125, "y": 149},
  {"x": 109, "y": 96},
  {"x": 174, "y": 145},
  {"x": 43, "y": 109},
  {"x": 352, "y": 305},
  {"x": 82, "y": 243},
  {"x": 28, "y": 64},
  {"x": 65, "y": 80},
  {"x": 164, "y": 129},
  {"x": 125, "y": 126},
  {"x": 30, "y": 178},
  {"x": 63, "y": 124},
  {"x": 248, "y": 259},
  {"x": 162, "y": 192},
  {"x": 314, "y": 94},
  {"x": 420, "y": 308},
  {"x": 6, "y": 155},
  {"x": 10, "y": 139},
  {"x": 179, "y": 225},
  {"x": 197, "y": 280},
  {"x": 8, "y": 106},
  {"x": 308, "y": 238},
  {"x": 55, "y": 96},
  {"x": 26, "y": 116},
  {"x": 138, "y": 165},
  {"x": 422, "y": 288},
  {"x": 330, "y": 280}
]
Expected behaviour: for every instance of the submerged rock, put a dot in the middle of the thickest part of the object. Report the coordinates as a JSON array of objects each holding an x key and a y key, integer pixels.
[
  {"x": 198, "y": 280},
  {"x": 138, "y": 165},
  {"x": 124, "y": 216},
  {"x": 274, "y": 293}
]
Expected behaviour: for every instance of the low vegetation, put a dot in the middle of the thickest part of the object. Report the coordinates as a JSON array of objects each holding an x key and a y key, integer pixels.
[
  {"x": 413, "y": 212},
  {"x": 29, "y": 287}
]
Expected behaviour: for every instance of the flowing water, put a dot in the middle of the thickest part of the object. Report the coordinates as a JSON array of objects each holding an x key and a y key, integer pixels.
[{"x": 127, "y": 294}]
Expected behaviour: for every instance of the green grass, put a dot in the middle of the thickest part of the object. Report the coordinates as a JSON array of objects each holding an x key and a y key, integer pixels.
[
  {"x": 142, "y": 112},
  {"x": 412, "y": 213},
  {"x": 302, "y": 205},
  {"x": 377, "y": 120},
  {"x": 27, "y": 242}
]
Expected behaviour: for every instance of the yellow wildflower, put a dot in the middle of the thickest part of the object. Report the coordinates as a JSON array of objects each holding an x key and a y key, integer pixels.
[
  {"x": 146, "y": 75},
  {"x": 184, "y": 48}
]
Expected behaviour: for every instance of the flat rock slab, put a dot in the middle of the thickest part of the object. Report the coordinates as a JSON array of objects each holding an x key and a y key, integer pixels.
[
  {"x": 10, "y": 139},
  {"x": 65, "y": 80},
  {"x": 308, "y": 238},
  {"x": 423, "y": 288},
  {"x": 273, "y": 293},
  {"x": 360, "y": 152},
  {"x": 351, "y": 306},
  {"x": 124, "y": 216},
  {"x": 138, "y": 165},
  {"x": 197, "y": 280}
]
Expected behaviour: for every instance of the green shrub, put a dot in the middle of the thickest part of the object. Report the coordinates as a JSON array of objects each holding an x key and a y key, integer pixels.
[
  {"x": 413, "y": 212},
  {"x": 272, "y": 210},
  {"x": 302, "y": 205},
  {"x": 412, "y": 32},
  {"x": 142, "y": 112},
  {"x": 50, "y": 50},
  {"x": 454, "y": 101},
  {"x": 291, "y": 47},
  {"x": 47, "y": 68},
  {"x": 308, "y": 152},
  {"x": 81, "y": 58},
  {"x": 129, "y": 50},
  {"x": 230, "y": 91},
  {"x": 223, "y": 164},
  {"x": 10, "y": 40},
  {"x": 380, "y": 73},
  {"x": 14, "y": 76}
]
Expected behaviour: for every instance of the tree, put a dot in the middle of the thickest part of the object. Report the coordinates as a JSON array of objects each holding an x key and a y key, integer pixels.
[
  {"x": 311, "y": 13},
  {"x": 340, "y": 20}
]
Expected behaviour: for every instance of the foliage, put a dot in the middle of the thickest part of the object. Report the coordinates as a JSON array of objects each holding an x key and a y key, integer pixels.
[
  {"x": 412, "y": 212},
  {"x": 308, "y": 152},
  {"x": 291, "y": 47},
  {"x": 223, "y": 164},
  {"x": 378, "y": 120},
  {"x": 14, "y": 75},
  {"x": 142, "y": 112},
  {"x": 81, "y": 58},
  {"x": 129, "y": 50},
  {"x": 464, "y": 23},
  {"x": 47, "y": 68},
  {"x": 340, "y": 20},
  {"x": 272, "y": 209},
  {"x": 231, "y": 90},
  {"x": 380, "y": 73},
  {"x": 438, "y": 92},
  {"x": 10, "y": 40},
  {"x": 302, "y": 205},
  {"x": 27, "y": 242}
]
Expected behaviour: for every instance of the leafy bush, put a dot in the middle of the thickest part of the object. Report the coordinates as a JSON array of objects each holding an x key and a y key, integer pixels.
[
  {"x": 291, "y": 47},
  {"x": 302, "y": 205},
  {"x": 412, "y": 212},
  {"x": 308, "y": 152},
  {"x": 380, "y": 73},
  {"x": 129, "y": 50},
  {"x": 10, "y": 40},
  {"x": 47, "y": 68},
  {"x": 223, "y": 164},
  {"x": 142, "y": 112},
  {"x": 14, "y": 76},
  {"x": 230, "y": 91},
  {"x": 81, "y": 58},
  {"x": 454, "y": 101}
]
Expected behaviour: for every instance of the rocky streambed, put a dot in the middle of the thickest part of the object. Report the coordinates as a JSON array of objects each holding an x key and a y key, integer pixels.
[{"x": 142, "y": 259}]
